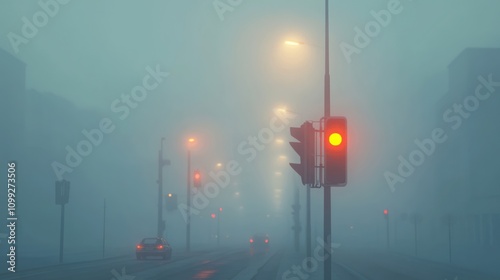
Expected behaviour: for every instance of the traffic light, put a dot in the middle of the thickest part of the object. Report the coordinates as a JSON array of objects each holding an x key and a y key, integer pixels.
[
  {"x": 386, "y": 212},
  {"x": 335, "y": 143},
  {"x": 197, "y": 179},
  {"x": 305, "y": 149},
  {"x": 171, "y": 202}
]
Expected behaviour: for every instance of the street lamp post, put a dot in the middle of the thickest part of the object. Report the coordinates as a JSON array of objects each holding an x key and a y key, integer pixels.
[
  {"x": 188, "y": 223},
  {"x": 188, "y": 220},
  {"x": 161, "y": 162},
  {"x": 218, "y": 227}
]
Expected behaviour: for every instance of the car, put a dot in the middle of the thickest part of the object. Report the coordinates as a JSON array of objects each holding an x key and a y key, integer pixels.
[
  {"x": 259, "y": 243},
  {"x": 153, "y": 246}
]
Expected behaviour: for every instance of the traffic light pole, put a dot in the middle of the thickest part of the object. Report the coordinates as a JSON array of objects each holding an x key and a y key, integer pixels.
[
  {"x": 188, "y": 222},
  {"x": 327, "y": 219},
  {"x": 218, "y": 229},
  {"x": 387, "y": 230},
  {"x": 104, "y": 230},
  {"x": 61, "y": 238},
  {"x": 160, "y": 190},
  {"x": 308, "y": 225}
]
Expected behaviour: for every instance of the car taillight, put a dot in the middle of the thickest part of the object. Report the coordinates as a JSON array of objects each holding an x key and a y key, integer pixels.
[
  {"x": 138, "y": 247},
  {"x": 159, "y": 247},
  {"x": 251, "y": 240},
  {"x": 267, "y": 240}
]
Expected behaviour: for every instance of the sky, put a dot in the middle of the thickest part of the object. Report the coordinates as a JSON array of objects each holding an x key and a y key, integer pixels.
[{"x": 229, "y": 69}]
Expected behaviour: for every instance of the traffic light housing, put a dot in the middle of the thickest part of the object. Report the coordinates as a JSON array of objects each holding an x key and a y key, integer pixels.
[
  {"x": 335, "y": 143},
  {"x": 171, "y": 202},
  {"x": 305, "y": 150},
  {"x": 197, "y": 179}
]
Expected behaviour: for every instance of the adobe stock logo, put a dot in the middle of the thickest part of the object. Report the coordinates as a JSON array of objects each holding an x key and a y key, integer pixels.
[{"x": 223, "y": 6}]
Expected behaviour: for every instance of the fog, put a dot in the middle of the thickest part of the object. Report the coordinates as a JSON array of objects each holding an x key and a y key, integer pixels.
[{"x": 225, "y": 77}]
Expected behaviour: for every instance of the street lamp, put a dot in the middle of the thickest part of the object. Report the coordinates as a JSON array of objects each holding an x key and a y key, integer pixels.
[{"x": 293, "y": 43}]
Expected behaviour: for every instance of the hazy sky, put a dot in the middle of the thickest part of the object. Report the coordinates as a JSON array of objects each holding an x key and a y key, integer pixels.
[{"x": 227, "y": 76}]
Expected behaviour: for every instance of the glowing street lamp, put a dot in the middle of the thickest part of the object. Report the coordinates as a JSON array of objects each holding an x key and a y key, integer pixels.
[{"x": 293, "y": 43}]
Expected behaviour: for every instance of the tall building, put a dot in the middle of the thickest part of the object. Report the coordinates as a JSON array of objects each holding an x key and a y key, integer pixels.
[
  {"x": 12, "y": 106},
  {"x": 467, "y": 163}
]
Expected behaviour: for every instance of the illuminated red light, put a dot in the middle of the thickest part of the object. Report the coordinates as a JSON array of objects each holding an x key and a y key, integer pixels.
[
  {"x": 213, "y": 216},
  {"x": 251, "y": 240},
  {"x": 386, "y": 212},
  {"x": 160, "y": 247},
  {"x": 139, "y": 247},
  {"x": 267, "y": 240}
]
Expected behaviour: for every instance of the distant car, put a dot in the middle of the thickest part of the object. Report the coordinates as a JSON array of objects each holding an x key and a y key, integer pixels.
[
  {"x": 259, "y": 243},
  {"x": 153, "y": 246}
]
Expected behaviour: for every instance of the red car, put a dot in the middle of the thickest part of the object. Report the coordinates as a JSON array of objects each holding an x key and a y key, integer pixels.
[{"x": 157, "y": 247}]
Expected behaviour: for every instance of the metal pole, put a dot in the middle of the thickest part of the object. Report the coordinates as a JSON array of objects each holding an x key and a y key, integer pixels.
[
  {"x": 218, "y": 229},
  {"x": 188, "y": 223},
  {"x": 415, "y": 221},
  {"x": 327, "y": 219},
  {"x": 160, "y": 190},
  {"x": 104, "y": 230},
  {"x": 387, "y": 224},
  {"x": 61, "y": 240},
  {"x": 449, "y": 238},
  {"x": 396, "y": 233},
  {"x": 308, "y": 226}
]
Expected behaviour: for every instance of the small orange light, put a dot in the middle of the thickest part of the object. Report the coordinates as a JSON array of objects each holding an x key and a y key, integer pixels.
[
  {"x": 169, "y": 195},
  {"x": 138, "y": 247},
  {"x": 191, "y": 140},
  {"x": 160, "y": 247}
]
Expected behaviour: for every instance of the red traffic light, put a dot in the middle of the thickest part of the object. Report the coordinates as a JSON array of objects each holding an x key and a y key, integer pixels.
[
  {"x": 386, "y": 212},
  {"x": 220, "y": 209},
  {"x": 213, "y": 215},
  {"x": 335, "y": 144},
  {"x": 197, "y": 179}
]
